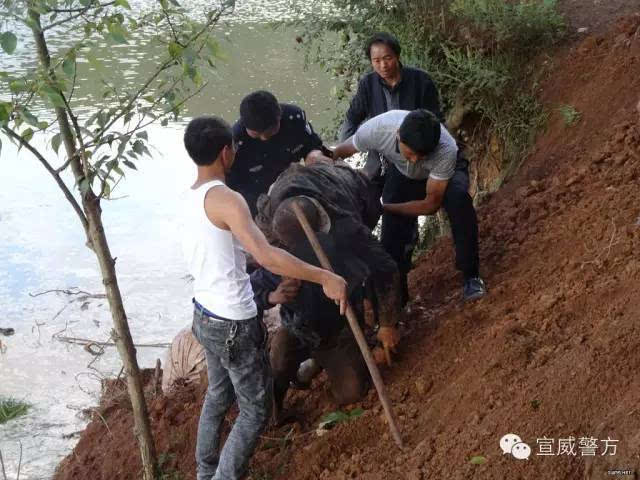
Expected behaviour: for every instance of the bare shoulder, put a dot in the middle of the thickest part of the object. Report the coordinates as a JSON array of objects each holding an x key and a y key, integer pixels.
[{"x": 223, "y": 205}]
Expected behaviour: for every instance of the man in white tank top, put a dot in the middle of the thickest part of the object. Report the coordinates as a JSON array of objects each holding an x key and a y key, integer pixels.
[{"x": 218, "y": 230}]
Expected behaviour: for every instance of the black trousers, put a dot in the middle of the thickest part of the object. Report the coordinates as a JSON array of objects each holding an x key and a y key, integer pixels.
[{"x": 399, "y": 233}]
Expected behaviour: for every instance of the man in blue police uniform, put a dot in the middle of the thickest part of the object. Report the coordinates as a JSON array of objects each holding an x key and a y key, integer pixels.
[{"x": 270, "y": 136}]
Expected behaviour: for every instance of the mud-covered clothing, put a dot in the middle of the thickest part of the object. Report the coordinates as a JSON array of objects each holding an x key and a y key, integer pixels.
[
  {"x": 341, "y": 190},
  {"x": 356, "y": 255},
  {"x": 258, "y": 163},
  {"x": 241, "y": 372},
  {"x": 338, "y": 355},
  {"x": 373, "y": 97}
]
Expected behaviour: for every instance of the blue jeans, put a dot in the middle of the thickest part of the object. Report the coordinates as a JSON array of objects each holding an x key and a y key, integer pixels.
[{"x": 238, "y": 368}]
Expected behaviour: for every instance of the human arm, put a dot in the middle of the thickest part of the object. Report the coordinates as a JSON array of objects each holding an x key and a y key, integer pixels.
[
  {"x": 226, "y": 209},
  {"x": 286, "y": 292},
  {"x": 270, "y": 290},
  {"x": 356, "y": 114},
  {"x": 430, "y": 205},
  {"x": 345, "y": 149}
]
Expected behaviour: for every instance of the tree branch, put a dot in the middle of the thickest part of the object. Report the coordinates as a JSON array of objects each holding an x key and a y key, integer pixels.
[
  {"x": 56, "y": 176},
  {"x": 80, "y": 13},
  {"x": 75, "y": 10},
  {"x": 167, "y": 64}
]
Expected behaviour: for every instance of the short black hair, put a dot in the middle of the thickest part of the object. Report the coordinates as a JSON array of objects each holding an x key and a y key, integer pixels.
[
  {"x": 420, "y": 131},
  {"x": 260, "y": 110},
  {"x": 384, "y": 38},
  {"x": 205, "y": 137}
]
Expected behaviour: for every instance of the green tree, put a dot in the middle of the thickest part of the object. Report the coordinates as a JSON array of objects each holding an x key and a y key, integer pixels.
[{"x": 101, "y": 143}]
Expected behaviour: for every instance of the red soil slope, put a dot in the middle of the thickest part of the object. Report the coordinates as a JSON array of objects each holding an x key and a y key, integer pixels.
[{"x": 553, "y": 351}]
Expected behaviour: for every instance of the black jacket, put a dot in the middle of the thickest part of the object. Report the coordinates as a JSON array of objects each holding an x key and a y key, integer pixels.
[{"x": 416, "y": 90}]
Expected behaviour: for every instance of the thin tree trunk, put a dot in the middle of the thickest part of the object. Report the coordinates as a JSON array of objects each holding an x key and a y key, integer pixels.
[{"x": 98, "y": 242}]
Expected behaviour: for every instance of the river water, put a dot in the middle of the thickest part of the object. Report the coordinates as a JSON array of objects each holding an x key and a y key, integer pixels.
[{"x": 42, "y": 244}]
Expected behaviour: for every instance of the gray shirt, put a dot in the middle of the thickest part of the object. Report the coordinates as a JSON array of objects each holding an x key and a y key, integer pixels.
[{"x": 380, "y": 134}]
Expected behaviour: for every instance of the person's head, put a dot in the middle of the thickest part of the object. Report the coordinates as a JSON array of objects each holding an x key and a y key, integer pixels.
[
  {"x": 285, "y": 224},
  {"x": 383, "y": 51},
  {"x": 209, "y": 139},
  {"x": 418, "y": 135},
  {"x": 260, "y": 113}
]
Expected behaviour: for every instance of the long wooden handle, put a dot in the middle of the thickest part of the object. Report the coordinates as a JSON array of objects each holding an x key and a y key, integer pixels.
[{"x": 355, "y": 328}]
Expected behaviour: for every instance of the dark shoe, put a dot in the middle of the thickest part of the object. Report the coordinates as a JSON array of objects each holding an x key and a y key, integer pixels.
[{"x": 473, "y": 289}]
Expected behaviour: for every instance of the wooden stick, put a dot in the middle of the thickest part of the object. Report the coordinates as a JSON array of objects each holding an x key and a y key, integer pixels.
[{"x": 355, "y": 328}]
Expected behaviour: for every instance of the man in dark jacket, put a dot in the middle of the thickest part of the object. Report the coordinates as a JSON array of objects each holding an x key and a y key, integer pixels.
[{"x": 392, "y": 86}]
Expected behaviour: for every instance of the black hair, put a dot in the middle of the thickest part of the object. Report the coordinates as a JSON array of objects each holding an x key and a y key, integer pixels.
[
  {"x": 420, "y": 131},
  {"x": 205, "y": 137},
  {"x": 384, "y": 38},
  {"x": 259, "y": 111}
]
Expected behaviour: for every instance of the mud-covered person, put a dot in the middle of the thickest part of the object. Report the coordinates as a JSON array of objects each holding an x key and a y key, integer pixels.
[
  {"x": 420, "y": 148},
  {"x": 391, "y": 86},
  {"x": 218, "y": 230},
  {"x": 342, "y": 208}
]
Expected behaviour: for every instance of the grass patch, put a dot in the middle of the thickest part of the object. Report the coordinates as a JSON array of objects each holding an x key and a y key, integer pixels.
[
  {"x": 570, "y": 115},
  {"x": 11, "y": 408}
]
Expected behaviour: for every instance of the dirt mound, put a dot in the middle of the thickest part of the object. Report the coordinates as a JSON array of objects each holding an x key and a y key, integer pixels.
[{"x": 551, "y": 354}]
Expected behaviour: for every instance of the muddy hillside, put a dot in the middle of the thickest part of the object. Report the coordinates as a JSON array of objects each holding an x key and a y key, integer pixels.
[{"x": 551, "y": 354}]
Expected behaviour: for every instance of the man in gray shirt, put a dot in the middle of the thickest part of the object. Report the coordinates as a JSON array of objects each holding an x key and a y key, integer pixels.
[{"x": 420, "y": 148}]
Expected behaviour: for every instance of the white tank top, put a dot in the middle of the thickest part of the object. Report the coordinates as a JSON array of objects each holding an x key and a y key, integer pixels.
[{"x": 216, "y": 260}]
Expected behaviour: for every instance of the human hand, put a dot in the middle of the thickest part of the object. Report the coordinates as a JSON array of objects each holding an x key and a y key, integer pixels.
[
  {"x": 286, "y": 292},
  {"x": 335, "y": 287},
  {"x": 369, "y": 313},
  {"x": 316, "y": 156},
  {"x": 389, "y": 337}
]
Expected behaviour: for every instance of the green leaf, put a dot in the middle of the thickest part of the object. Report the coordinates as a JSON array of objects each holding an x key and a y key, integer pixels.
[
  {"x": 138, "y": 147},
  {"x": 5, "y": 112},
  {"x": 56, "y": 141},
  {"x": 117, "y": 32},
  {"x": 356, "y": 412},
  {"x": 122, "y": 3},
  {"x": 86, "y": 3},
  {"x": 54, "y": 96},
  {"x": 9, "y": 42},
  {"x": 69, "y": 66},
  {"x": 333, "y": 418},
  {"x": 27, "y": 134},
  {"x": 478, "y": 460},
  {"x": 143, "y": 135},
  {"x": 130, "y": 164},
  {"x": 29, "y": 118},
  {"x": 18, "y": 86},
  {"x": 175, "y": 50}
]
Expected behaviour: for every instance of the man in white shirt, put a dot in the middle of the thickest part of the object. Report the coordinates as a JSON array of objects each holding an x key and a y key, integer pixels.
[
  {"x": 218, "y": 230},
  {"x": 419, "y": 147}
]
